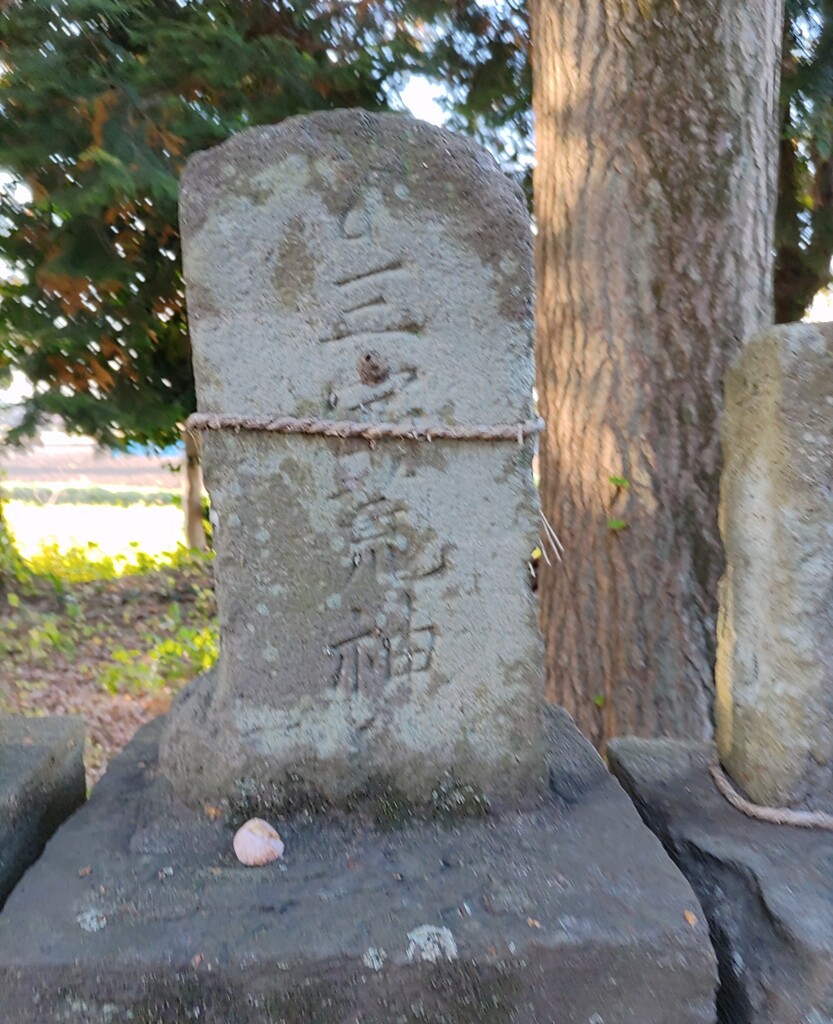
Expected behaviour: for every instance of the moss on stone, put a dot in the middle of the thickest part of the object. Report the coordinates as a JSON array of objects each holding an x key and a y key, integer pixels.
[
  {"x": 451, "y": 801},
  {"x": 253, "y": 798},
  {"x": 167, "y": 1005},
  {"x": 380, "y": 800},
  {"x": 466, "y": 994},
  {"x": 383, "y": 802}
]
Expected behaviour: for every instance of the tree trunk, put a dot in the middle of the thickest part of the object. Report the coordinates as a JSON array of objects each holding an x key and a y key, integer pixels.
[
  {"x": 10, "y": 562},
  {"x": 655, "y": 193},
  {"x": 192, "y": 493},
  {"x": 5, "y": 554}
]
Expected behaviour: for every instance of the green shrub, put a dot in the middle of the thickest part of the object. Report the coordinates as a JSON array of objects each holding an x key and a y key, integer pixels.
[
  {"x": 89, "y": 496},
  {"x": 11, "y": 564},
  {"x": 82, "y": 564},
  {"x": 170, "y": 659}
]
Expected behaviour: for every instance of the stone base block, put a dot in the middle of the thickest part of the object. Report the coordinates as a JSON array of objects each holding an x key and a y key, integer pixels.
[
  {"x": 565, "y": 911},
  {"x": 41, "y": 784},
  {"x": 767, "y": 890}
]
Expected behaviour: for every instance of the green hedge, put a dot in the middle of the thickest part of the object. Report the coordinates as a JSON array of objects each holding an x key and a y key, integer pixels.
[{"x": 87, "y": 496}]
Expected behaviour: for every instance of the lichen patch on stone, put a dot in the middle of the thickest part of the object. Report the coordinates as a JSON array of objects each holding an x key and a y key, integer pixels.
[{"x": 431, "y": 944}]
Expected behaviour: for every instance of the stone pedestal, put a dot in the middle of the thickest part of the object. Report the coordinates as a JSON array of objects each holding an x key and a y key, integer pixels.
[
  {"x": 564, "y": 910},
  {"x": 41, "y": 784},
  {"x": 767, "y": 890}
]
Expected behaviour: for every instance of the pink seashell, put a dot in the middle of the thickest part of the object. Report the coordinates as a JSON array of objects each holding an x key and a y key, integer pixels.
[{"x": 257, "y": 843}]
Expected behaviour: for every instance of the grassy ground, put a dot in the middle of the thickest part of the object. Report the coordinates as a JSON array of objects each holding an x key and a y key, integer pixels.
[{"x": 101, "y": 622}]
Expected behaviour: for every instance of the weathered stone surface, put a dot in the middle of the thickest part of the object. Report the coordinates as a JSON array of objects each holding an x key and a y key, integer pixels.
[
  {"x": 767, "y": 890},
  {"x": 41, "y": 784},
  {"x": 775, "y": 636},
  {"x": 559, "y": 912},
  {"x": 377, "y": 624}
]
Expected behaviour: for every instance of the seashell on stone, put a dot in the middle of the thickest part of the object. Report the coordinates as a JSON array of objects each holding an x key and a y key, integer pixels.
[{"x": 257, "y": 843}]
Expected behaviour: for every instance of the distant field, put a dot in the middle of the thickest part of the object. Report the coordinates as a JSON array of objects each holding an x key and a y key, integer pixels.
[
  {"x": 115, "y": 530},
  {"x": 60, "y": 494}
]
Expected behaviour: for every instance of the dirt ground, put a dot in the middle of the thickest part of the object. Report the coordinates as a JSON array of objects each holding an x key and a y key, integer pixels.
[{"x": 113, "y": 651}]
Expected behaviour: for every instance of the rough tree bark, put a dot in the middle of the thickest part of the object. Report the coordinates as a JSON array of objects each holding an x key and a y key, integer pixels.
[
  {"x": 192, "y": 492},
  {"x": 655, "y": 193}
]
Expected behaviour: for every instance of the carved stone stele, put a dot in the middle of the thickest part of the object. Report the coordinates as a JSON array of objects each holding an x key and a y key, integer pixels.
[{"x": 377, "y": 622}]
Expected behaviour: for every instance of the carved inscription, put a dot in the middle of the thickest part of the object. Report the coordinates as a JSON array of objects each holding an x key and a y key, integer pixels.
[
  {"x": 373, "y": 311},
  {"x": 363, "y": 662},
  {"x": 416, "y": 649},
  {"x": 376, "y": 539},
  {"x": 372, "y": 648}
]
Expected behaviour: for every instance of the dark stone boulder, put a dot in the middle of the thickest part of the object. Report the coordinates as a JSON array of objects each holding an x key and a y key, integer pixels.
[
  {"x": 41, "y": 784},
  {"x": 767, "y": 890}
]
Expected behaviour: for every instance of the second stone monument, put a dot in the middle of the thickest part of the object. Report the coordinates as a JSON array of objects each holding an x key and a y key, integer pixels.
[
  {"x": 774, "y": 668},
  {"x": 359, "y": 300}
]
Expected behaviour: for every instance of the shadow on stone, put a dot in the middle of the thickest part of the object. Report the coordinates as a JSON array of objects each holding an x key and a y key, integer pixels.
[
  {"x": 41, "y": 784},
  {"x": 567, "y": 912},
  {"x": 767, "y": 890}
]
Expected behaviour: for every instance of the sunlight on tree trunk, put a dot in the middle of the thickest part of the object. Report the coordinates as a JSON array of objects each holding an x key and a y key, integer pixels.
[
  {"x": 192, "y": 493},
  {"x": 655, "y": 194}
]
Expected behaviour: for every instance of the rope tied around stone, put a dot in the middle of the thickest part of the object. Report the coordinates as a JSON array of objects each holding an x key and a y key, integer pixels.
[
  {"x": 772, "y": 815},
  {"x": 371, "y": 432}
]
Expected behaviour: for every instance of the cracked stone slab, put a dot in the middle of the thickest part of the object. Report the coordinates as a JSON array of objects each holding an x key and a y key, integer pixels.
[
  {"x": 41, "y": 784},
  {"x": 564, "y": 910},
  {"x": 767, "y": 890}
]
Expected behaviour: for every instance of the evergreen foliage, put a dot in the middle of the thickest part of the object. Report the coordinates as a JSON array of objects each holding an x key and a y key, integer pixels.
[
  {"x": 804, "y": 222},
  {"x": 101, "y": 102}
]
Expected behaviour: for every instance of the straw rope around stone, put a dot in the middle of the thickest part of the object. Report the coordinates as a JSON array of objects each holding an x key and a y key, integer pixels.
[
  {"x": 367, "y": 431},
  {"x": 773, "y": 815},
  {"x": 373, "y": 432}
]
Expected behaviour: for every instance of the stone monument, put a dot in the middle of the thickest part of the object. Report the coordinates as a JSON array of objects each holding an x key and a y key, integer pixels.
[
  {"x": 765, "y": 884},
  {"x": 378, "y": 627},
  {"x": 774, "y": 670},
  {"x": 454, "y": 851}
]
